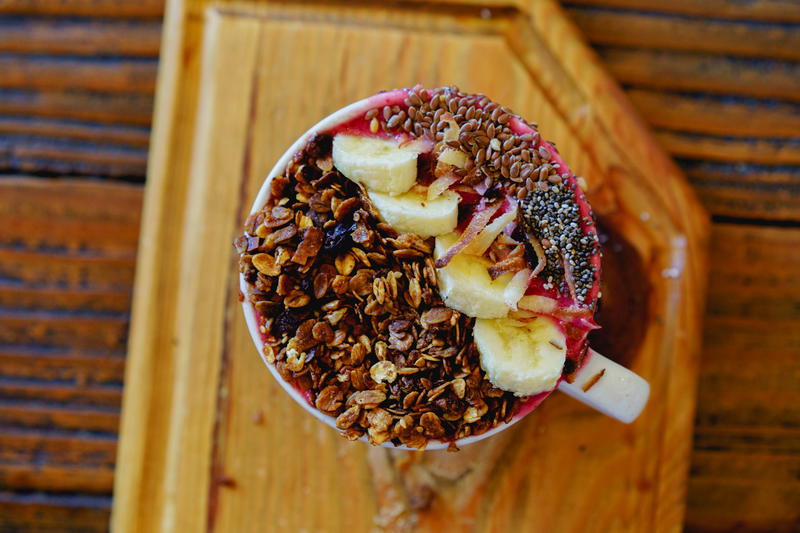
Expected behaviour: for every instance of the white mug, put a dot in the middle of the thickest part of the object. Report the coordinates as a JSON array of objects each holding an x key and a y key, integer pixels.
[{"x": 600, "y": 383}]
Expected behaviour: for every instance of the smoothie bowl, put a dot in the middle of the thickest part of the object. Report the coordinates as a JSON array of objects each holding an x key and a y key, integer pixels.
[{"x": 421, "y": 270}]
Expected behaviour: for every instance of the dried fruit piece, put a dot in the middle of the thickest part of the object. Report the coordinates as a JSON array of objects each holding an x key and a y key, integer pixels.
[{"x": 309, "y": 246}]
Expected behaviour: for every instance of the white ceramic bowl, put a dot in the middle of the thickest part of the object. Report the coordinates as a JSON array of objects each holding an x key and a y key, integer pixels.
[{"x": 621, "y": 384}]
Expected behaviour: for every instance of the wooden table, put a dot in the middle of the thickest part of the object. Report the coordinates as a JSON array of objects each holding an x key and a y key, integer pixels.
[
  {"x": 208, "y": 438},
  {"x": 746, "y": 440}
]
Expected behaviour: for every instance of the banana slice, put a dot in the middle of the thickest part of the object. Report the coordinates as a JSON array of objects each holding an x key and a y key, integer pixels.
[
  {"x": 521, "y": 357},
  {"x": 412, "y": 212},
  {"x": 465, "y": 285},
  {"x": 379, "y": 164}
]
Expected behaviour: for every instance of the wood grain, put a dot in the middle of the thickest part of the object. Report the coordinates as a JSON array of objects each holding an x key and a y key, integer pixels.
[
  {"x": 136, "y": 136},
  {"x": 690, "y": 71},
  {"x": 67, "y": 253},
  {"x": 103, "y": 108},
  {"x": 85, "y": 8},
  {"x": 261, "y": 439},
  {"x": 114, "y": 75},
  {"x": 62, "y": 365},
  {"x": 718, "y": 115},
  {"x": 748, "y": 191},
  {"x": 747, "y": 435},
  {"x": 35, "y": 35},
  {"x": 736, "y": 150},
  {"x": 56, "y": 513},
  {"x": 768, "y": 10},
  {"x": 645, "y": 30},
  {"x": 721, "y": 68}
]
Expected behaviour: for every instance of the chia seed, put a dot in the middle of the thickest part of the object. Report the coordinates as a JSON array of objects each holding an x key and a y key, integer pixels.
[{"x": 552, "y": 215}]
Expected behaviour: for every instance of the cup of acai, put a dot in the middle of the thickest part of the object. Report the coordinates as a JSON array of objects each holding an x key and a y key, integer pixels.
[{"x": 421, "y": 270}]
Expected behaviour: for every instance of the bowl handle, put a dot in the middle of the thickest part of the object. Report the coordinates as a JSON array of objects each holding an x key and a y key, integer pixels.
[{"x": 608, "y": 387}]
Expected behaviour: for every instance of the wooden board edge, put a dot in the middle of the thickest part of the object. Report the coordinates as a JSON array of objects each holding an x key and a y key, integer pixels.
[{"x": 159, "y": 487}]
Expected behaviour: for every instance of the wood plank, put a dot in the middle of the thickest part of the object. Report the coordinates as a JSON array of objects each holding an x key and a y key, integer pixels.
[
  {"x": 772, "y": 508},
  {"x": 137, "y": 136},
  {"x": 92, "y": 200},
  {"x": 113, "y": 270},
  {"x": 56, "y": 156},
  {"x": 122, "y": 108},
  {"x": 36, "y": 35},
  {"x": 735, "y": 466},
  {"x": 54, "y": 513},
  {"x": 59, "y": 408},
  {"x": 747, "y": 440},
  {"x": 85, "y": 8},
  {"x": 686, "y": 71},
  {"x": 42, "y": 416},
  {"x": 769, "y": 10},
  {"x": 63, "y": 366},
  {"x": 731, "y": 149},
  {"x": 49, "y": 73},
  {"x": 750, "y": 191},
  {"x": 60, "y": 393},
  {"x": 703, "y": 113},
  {"x": 650, "y": 30},
  {"x": 738, "y": 201},
  {"x": 20, "y": 296},
  {"x": 80, "y": 478},
  {"x": 64, "y": 330},
  {"x": 192, "y": 419},
  {"x": 56, "y": 448},
  {"x": 762, "y": 439}
]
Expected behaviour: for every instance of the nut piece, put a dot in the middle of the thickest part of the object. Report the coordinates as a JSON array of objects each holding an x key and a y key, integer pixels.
[
  {"x": 329, "y": 399},
  {"x": 296, "y": 299},
  {"x": 348, "y": 418},
  {"x": 379, "y": 419},
  {"x": 475, "y": 413},
  {"x": 265, "y": 264},
  {"x": 383, "y": 371},
  {"x": 368, "y": 399},
  {"x": 459, "y": 387},
  {"x": 436, "y": 315},
  {"x": 295, "y": 360},
  {"x": 345, "y": 264},
  {"x": 323, "y": 332},
  {"x": 431, "y": 425}
]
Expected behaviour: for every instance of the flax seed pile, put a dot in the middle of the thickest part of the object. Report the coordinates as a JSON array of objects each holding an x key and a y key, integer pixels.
[{"x": 349, "y": 309}]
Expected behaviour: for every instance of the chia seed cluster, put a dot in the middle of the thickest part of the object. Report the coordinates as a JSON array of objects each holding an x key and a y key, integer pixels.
[{"x": 552, "y": 216}]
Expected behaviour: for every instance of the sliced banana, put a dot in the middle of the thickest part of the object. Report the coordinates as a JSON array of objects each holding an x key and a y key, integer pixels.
[
  {"x": 412, "y": 212},
  {"x": 521, "y": 357},
  {"x": 379, "y": 164},
  {"x": 465, "y": 285}
]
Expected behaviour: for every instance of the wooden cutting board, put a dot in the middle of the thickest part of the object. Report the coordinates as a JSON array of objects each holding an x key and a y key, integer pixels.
[{"x": 210, "y": 442}]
